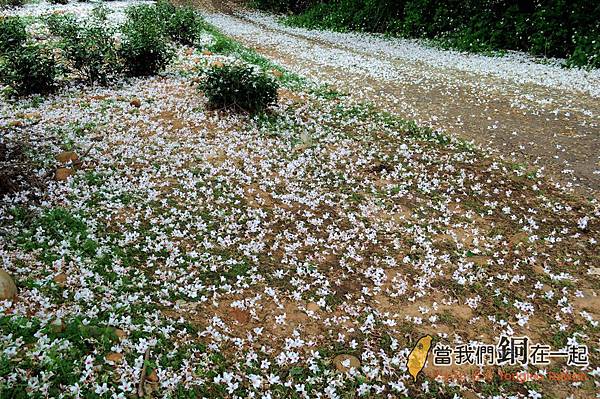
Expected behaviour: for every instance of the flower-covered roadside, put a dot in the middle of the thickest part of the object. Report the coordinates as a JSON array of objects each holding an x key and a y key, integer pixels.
[{"x": 205, "y": 253}]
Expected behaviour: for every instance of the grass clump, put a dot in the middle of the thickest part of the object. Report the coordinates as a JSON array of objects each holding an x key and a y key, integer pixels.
[{"x": 239, "y": 87}]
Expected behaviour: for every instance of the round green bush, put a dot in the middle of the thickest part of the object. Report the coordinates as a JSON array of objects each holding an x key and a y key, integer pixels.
[
  {"x": 182, "y": 24},
  {"x": 88, "y": 46},
  {"x": 31, "y": 69},
  {"x": 239, "y": 87},
  {"x": 145, "y": 49},
  {"x": 62, "y": 25}
]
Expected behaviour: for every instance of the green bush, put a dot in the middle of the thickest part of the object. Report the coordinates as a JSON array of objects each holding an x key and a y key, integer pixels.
[
  {"x": 145, "y": 49},
  {"x": 11, "y": 3},
  {"x": 100, "y": 13},
  {"x": 62, "y": 25},
  {"x": 182, "y": 24},
  {"x": 323, "y": 16},
  {"x": 587, "y": 52},
  {"x": 240, "y": 87},
  {"x": 12, "y": 33},
  {"x": 91, "y": 51},
  {"x": 342, "y": 15},
  {"x": 31, "y": 69},
  {"x": 89, "y": 47}
]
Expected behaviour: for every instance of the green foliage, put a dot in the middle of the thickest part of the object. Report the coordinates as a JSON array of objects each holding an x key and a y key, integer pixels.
[
  {"x": 145, "y": 48},
  {"x": 59, "y": 1},
  {"x": 282, "y": 6},
  {"x": 11, "y": 3},
  {"x": 30, "y": 69},
  {"x": 239, "y": 86},
  {"x": 57, "y": 224},
  {"x": 361, "y": 15},
  {"x": 90, "y": 47},
  {"x": 63, "y": 353},
  {"x": 181, "y": 24},
  {"x": 100, "y": 13},
  {"x": 62, "y": 25},
  {"x": 552, "y": 28},
  {"x": 12, "y": 33},
  {"x": 225, "y": 45},
  {"x": 587, "y": 51}
]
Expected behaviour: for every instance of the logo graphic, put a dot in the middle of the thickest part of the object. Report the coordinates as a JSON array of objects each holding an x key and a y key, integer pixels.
[
  {"x": 509, "y": 351},
  {"x": 418, "y": 356}
]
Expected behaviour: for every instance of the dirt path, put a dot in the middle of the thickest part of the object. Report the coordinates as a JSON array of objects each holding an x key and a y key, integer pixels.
[{"x": 530, "y": 113}]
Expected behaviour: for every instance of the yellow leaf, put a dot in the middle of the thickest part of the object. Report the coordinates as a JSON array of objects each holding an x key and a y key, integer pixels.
[{"x": 418, "y": 356}]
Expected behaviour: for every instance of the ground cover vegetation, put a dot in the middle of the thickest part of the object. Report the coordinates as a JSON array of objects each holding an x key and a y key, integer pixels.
[{"x": 211, "y": 225}]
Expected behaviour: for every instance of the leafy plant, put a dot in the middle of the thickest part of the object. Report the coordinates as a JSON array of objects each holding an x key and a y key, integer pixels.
[
  {"x": 145, "y": 49},
  {"x": 62, "y": 25},
  {"x": 100, "y": 13},
  {"x": 282, "y": 6},
  {"x": 90, "y": 49},
  {"x": 11, "y": 3},
  {"x": 183, "y": 24},
  {"x": 12, "y": 33},
  {"x": 239, "y": 86},
  {"x": 30, "y": 69},
  {"x": 586, "y": 53}
]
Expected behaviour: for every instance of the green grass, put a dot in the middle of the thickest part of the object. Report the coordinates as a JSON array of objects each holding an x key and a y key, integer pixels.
[{"x": 227, "y": 46}]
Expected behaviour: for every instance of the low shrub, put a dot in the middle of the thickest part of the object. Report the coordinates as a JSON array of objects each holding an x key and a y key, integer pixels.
[
  {"x": 240, "y": 87},
  {"x": 62, "y": 25},
  {"x": 11, "y": 3},
  {"x": 164, "y": 10},
  {"x": 100, "y": 13},
  {"x": 184, "y": 26},
  {"x": 92, "y": 53},
  {"x": 145, "y": 49},
  {"x": 12, "y": 33},
  {"x": 30, "y": 69}
]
